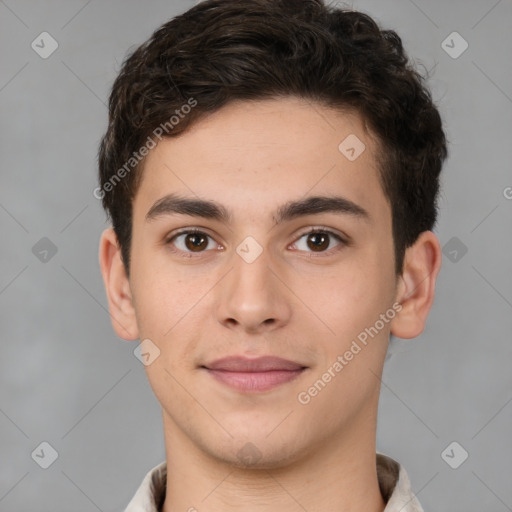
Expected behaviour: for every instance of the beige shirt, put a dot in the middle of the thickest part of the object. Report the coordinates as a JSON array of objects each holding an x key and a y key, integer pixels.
[{"x": 394, "y": 484}]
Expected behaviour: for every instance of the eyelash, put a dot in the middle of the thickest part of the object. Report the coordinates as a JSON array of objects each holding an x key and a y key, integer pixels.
[{"x": 196, "y": 231}]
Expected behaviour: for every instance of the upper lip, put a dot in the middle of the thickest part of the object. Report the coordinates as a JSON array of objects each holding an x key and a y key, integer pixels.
[{"x": 259, "y": 364}]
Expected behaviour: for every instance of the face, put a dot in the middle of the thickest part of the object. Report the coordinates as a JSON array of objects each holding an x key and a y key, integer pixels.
[{"x": 262, "y": 269}]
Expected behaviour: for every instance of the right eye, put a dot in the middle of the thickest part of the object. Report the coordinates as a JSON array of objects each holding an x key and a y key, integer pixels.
[{"x": 191, "y": 241}]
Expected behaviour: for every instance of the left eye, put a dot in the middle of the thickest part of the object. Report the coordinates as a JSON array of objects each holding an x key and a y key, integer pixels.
[{"x": 318, "y": 241}]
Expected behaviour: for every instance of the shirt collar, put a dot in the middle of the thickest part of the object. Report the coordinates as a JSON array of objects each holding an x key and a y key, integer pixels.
[{"x": 394, "y": 485}]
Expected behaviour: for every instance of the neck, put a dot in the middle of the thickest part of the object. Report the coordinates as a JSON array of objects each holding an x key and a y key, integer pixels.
[{"x": 337, "y": 474}]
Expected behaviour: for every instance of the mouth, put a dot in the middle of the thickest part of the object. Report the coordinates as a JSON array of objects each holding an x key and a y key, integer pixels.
[{"x": 254, "y": 375}]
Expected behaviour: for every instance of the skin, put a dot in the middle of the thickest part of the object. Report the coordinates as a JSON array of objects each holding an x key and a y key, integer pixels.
[{"x": 293, "y": 301}]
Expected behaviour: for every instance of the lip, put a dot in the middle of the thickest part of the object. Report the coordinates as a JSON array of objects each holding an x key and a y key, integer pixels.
[
  {"x": 258, "y": 364},
  {"x": 254, "y": 375}
]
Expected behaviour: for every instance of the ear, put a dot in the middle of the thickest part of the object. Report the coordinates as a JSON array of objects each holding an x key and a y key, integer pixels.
[
  {"x": 416, "y": 286},
  {"x": 117, "y": 287}
]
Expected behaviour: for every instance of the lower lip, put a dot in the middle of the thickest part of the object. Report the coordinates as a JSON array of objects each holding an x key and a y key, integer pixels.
[{"x": 255, "y": 381}]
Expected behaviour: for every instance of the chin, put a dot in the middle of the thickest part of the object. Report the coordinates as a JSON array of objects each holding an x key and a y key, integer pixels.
[{"x": 258, "y": 454}]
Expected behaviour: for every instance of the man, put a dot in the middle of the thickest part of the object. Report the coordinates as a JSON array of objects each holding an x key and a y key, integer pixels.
[{"x": 271, "y": 169}]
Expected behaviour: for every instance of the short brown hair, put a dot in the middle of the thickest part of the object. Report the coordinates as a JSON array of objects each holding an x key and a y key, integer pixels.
[{"x": 224, "y": 50}]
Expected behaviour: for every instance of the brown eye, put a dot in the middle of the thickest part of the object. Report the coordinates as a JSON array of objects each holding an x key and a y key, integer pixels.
[
  {"x": 196, "y": 242},
  {"x": 192, "y": 241},
  {"x": 318, "y": 241}
]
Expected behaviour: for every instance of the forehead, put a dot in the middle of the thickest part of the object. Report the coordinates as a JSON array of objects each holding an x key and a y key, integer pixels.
[{"x": 262, "y": 153}]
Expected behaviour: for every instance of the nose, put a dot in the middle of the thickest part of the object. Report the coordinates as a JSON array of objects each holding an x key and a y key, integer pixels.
[{"x": 253, "y": 296}]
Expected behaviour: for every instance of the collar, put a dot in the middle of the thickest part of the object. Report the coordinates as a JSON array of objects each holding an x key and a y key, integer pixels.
[{"x": 394, "y": 485}]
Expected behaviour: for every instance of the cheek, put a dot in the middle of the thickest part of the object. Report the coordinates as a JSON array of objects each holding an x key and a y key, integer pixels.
[
  {"x": 347, "y": 296},
  {"x": 349, "y": 310},
  {"x": 170, "y": 312},
  {"x": 162, "y": 295}
]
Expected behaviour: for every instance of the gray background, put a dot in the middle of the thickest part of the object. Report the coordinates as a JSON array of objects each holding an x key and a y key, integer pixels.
[{"x": 68, "y": 380}]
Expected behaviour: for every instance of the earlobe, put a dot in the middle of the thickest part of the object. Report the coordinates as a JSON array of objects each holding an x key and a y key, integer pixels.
[
  {"x": 117, "y": 287},
  {"x": 416, "y": 286}
]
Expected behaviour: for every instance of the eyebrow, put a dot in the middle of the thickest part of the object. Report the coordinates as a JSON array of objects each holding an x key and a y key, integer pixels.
[{"x": 172, "y": 204}]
